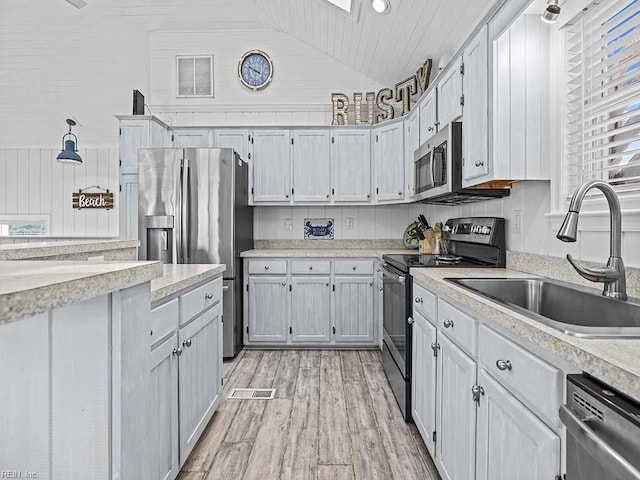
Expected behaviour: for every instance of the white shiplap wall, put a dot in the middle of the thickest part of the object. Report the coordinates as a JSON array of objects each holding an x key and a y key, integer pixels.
[
  {"x": 300, "y": 93},
  {"x": 388, "y": 222},
  {"x": 33, "y": 182}
]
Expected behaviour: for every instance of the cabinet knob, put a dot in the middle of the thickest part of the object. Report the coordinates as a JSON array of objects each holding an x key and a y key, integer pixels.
[
  {"x": 208, "y": 296},
  {"x": 186, "y": 343},
  {"x": 410, "y": 321},
  {"x": 400, "y": 193},
  {"x": 380, "y": 288},
  {"x": 284, "y": 284},
  {"x": 286, "y": 195},
  {"x": 448, "y": 323},
  {"x": 368, "y": 195},
  {"x": 430, "y": 129},
  {"x": 504, "y": 365},
  {"x": 479, "y": 163},
  {"x": 310, "y": 267},
  {"x": 353, "y": 268},
  {"x": 266, "y": 267},
  {"x": 177, "y": 351},
  {"x": 327, "y": 195},
  {"x": 418, "y": 300}
]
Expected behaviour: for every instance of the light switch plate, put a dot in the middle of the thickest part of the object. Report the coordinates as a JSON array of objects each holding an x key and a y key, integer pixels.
[
  {"x": 349, "y": 223},
  {"x": 517, "y": 221},
  {"x": 288, "y": 224}
]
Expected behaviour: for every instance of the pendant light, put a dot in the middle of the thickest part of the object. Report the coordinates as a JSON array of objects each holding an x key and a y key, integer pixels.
[
  {"x": 552, "y": 12},
  {"x": 69, "y": 153}
]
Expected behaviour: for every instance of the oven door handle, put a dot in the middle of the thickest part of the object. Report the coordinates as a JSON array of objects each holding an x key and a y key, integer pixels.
[
  {"x": 393, "y": 276},
  {"x": 611, "y": 460}
]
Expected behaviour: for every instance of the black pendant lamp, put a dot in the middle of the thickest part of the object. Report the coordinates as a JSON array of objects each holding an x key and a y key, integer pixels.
[{"x": 69, "y": 153}]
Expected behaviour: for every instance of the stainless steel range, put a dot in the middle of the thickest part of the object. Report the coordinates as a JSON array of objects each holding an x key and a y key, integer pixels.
[{"x": 472, "y": 242}]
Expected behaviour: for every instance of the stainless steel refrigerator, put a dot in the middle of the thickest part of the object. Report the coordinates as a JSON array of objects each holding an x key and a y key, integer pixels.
[{"x": 193, "y": 208}]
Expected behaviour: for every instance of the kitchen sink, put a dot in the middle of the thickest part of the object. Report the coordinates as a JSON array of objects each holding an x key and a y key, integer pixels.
[{"x": 572, "y": 309}]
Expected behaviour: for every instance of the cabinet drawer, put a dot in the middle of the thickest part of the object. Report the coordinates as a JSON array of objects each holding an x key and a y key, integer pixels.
[
  {"x": 537, "y": 383},
  {"x": 458, "y": 326},
  {"x": 199, "y": 299},
  {"x": 164, "y": 320},
  {"x": 425, "y": 302},
  {"x": 267, "y": 267},
  {"x": 311, "y": 267},
  {"x": 354, "y": 267}
]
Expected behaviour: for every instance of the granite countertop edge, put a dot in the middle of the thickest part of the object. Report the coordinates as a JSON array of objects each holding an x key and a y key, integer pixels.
[
  {"x": 176, "y": 278},
  {"x": 24, "y": 251},
  {"x": 602, "y": 358},
  {"x": 324, "y": 253}
]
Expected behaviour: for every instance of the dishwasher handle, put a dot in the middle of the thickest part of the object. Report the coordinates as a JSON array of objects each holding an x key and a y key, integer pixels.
[{"x": 611, "y": 460}]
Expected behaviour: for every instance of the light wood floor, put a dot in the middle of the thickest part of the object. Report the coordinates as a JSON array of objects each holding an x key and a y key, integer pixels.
[{"x": 334, "y": 418}]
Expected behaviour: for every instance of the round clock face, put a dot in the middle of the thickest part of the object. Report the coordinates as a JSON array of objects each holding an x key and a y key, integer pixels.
[{"x": 255, "y": 69}]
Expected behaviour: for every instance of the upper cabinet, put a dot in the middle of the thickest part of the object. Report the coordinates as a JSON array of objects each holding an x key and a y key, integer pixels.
[
  {"x": 271, "y": 166},
  {"x": 428, "y": 116},
  {"x": 137, "y": 131},
  {"x": 237, "y": 138},
  {"x": 411, "y": 143},
  {"x": 351, "y": 164},
  {"x": 191, "y": 138},
  {"x": 311, "y": 158},
  {"x": 388, "y": 146},
  {"x": 450, "y": 99},
  {"x": 475, "y": 138}
]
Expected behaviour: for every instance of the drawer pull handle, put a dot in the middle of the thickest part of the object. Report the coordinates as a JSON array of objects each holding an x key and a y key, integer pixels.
[
  {"x": 177, "y": 352},
  {"x": 310, "y": 267},
  {"x": 186, "y": 343},
  {"x": 208, "y": 296},
  {"x": 504, "y": 365},
  {"x": 448, "y": 323},
  {"x": 418, "y": 300},
  {"x": 266, "y": 267},
  {"x": 354, "y": 268}
]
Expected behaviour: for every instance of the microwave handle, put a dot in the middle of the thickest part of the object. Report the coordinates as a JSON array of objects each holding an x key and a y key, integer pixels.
[{"x": 433, "y": 169}]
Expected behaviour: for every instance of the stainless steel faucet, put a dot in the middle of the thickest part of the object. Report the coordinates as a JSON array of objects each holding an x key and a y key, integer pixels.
[{"x": 612, "y": 275}]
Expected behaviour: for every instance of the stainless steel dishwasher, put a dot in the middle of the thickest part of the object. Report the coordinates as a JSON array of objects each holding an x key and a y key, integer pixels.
[{"x": 603, "y": 432}]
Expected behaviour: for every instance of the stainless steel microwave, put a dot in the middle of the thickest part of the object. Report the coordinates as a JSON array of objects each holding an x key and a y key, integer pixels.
[{"x": 438, "y": 171}]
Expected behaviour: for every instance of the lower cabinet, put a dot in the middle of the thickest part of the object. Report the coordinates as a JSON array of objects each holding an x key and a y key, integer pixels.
[
  {"x": 512, "y": 442},
  {"x": 310, "y": 309},
  {"x": 424, "y": 379},
  {"x": 456, "y": 419},
  {"x": 353, "y": 314},
  {"x": 268, "y": 303}
]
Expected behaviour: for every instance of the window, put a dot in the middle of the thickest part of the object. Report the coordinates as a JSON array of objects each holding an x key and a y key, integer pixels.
[
  {"x": 603, "y": 110},
  {"x": 195, "y": 76},
  {"x": 24, "y": 225}
]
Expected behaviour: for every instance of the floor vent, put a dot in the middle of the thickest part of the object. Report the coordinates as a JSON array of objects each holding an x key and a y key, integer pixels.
[{"x": 253, "y": 393}]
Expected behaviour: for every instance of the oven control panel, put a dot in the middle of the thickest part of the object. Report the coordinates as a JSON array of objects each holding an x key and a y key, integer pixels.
[{"x": 483, "y": 230}]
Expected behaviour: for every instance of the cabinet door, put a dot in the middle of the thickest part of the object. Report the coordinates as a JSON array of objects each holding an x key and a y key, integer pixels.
[
  {"x": 271, "y": 166},
  {"x": 164, "y": 461},
  {"x": 191, "y": 138},
  {"x": 389, "y": 161},
  {"x": 456, "y": 418},
  {"x": 199, "y": 370},
  {"x": 268, "y": 319},
  {"x": 449, "y": 94},
  {"x": 353, "y": 317},
  {"x": 423, "y": 383},
  {"x": 412, "y": 142},
  {"x": 134, "y": 135},
  {"x": 475, "y": 149},
  {"x": 311, "y": 309},
  {"x": 238, "y": 139},
  {"x": 311, "y": 158},
  {"x": 351, "y": 164},
  {"x": 129, "y": 207},
  {"x": 512, "y": 442},
  {"x": 428, "y": 118}
]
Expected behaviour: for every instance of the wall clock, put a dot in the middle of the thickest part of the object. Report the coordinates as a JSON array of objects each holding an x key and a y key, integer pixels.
[{"x": 255, "y": 69}]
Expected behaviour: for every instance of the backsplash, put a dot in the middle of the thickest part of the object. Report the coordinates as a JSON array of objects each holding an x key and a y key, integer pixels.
[{"x": 529, "y": 200}]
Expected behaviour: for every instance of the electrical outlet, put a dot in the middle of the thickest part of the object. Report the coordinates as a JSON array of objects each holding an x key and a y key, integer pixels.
[
  {"x": 350, "y": 223},
  {"x": 288, "y": 224},
  {"x": 517, "y": 221}
]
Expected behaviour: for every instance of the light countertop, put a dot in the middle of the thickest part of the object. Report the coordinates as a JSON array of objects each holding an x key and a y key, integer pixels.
[
  {"x": 22, "y": 251},
  {"x": 31, "y": 287},
  {"x": 323, "y": 253},
  {"x": 614, "y": 361},
  {"x": 178, "y": 277}
]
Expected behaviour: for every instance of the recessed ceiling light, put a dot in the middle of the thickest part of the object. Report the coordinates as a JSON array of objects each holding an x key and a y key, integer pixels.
[{"x": 381, "y": 6}]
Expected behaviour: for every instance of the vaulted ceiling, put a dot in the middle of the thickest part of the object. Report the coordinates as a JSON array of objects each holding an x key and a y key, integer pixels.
[{"x": 385, "y": 48}]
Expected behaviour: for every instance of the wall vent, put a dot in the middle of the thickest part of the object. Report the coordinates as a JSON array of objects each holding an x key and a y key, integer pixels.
[{"x": 253, "y": 393}]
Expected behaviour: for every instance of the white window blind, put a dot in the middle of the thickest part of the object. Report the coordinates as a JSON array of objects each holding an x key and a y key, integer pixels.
[
  {"x": 195, "y": 76},
  {"x": 603, "y": 111}
]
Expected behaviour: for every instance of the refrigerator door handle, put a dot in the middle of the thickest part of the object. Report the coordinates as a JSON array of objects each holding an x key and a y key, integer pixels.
[
  {"x": 178, "y": 224},
  {"x": 184, "y": 212}
]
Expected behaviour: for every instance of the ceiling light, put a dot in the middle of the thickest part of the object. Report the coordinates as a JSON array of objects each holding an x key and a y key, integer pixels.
[
  {"x": 381, "y": 6},
  {"x": 552, "y": 12},
  {"x": 69, "y": 153}
]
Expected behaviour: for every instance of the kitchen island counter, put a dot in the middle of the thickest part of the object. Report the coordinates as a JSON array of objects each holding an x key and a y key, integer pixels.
[
  {"x": 614, "y": 361},
  {"x": 70, "y": 250},
  {"x": 180, "y": 277}
]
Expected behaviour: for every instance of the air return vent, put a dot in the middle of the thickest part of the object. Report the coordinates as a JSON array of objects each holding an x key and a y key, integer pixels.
[
  {"x": 252, "y": 393},
  {"x": 588, "y": 407}
]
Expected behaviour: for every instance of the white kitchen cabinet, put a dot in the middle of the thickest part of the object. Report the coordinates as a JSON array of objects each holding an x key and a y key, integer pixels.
[
  {"x": 351, "y": 164},
  {"x": 450, "y": 100},
  {"x": 475, "y": 138},
  {"x": 456, "y": 417},
  {"x": 136, "y": 132},
  {"x": 268, "y": 309},
  {"x": 411, "y": 144},
  {"x": 310, "y": 309},
  {"x": 388, "y": 146},
  {"x": 353, "y": 309},
  {"x": 428, "y": 116},
  {"x": 191, "y": 138},
  {"x": 237, "y": 138},
  {"x": 311, "y": 163},
  {"x": 129, "y": 206},
  {"x": 423, "y": 379},
  {"x": 164, "y": 459},
  {"x": 512, "y": 442},
  {"x": 199, "y": 370},
  {"x": 271, "y": 166}
]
